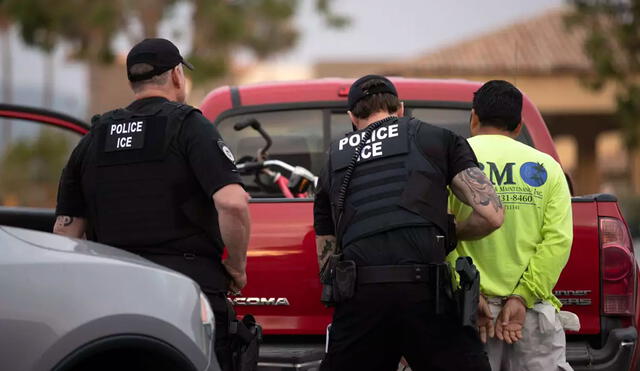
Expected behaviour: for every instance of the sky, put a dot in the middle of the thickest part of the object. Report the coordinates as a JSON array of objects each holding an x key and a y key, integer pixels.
[
  {"x": 384, "y": 29},
  {"x": 379, "y": 30},
  {"x": 70, "y": 78}
]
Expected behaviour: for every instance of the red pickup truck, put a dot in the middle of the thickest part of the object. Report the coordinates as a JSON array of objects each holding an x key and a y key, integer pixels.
[{"x": 598, "y": 284}]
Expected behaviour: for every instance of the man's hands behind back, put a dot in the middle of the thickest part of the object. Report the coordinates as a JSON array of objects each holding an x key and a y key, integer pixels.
[
  {"x": 511, "y": 320},
  {"x": 485, "y": 320}
]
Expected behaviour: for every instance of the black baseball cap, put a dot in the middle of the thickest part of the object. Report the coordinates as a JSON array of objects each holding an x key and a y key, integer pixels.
[
  {"x": 162, "y": 54},
  {"x": 356, "y": 92}
]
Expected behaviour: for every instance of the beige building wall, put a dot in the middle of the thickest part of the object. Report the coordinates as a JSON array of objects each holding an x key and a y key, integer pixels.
[
  {"x": 554, "y": 94},
  {"x": 265, "y": 72}
]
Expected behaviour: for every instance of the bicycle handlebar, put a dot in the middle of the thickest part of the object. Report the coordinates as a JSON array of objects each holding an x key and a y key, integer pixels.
[
  {"x": 298, "y": 170},
  {"x": 255, "y": 125}
]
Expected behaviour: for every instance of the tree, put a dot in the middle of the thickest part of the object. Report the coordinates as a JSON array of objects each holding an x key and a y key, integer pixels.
[
  {"x": 7, "y": 71},
  {"x": 220, "y": 27},
  {"x": 89, "y": 26},
  {"x": 31, "y": 168},
  {"x": 612, "y": 44}
]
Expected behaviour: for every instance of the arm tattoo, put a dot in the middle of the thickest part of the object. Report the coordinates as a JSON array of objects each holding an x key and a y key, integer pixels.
[
  {"x": 325, "y": 247},
  {"x": 64, "y": 221},
  {"x": 481, "y": 188},
  {"x": 329, "y": 246}
]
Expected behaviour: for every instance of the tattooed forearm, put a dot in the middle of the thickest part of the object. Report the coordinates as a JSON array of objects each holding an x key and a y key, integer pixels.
[
  {"x": 472, "y": 187},
  {"x": 480, "y": 187},
  {"x": 325, "y": 245}
]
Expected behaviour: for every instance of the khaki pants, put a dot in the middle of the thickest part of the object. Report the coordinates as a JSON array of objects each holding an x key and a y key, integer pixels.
[{"x": 542, "y": 347}]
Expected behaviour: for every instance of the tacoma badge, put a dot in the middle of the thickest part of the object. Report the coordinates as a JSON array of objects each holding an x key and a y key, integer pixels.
[{"x": 260, "y": 301}]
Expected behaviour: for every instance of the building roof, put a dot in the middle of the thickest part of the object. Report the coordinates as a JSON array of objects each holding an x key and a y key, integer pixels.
[{"x": 542, "y": 44}]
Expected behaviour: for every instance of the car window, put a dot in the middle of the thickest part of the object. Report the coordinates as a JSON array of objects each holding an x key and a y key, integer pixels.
[{"x": 32, "y": 156}]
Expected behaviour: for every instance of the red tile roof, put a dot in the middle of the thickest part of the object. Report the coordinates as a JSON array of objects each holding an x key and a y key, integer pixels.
[{"x": 539, "y": 45}]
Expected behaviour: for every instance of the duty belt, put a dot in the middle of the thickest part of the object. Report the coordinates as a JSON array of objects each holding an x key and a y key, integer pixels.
[{"x": 398, "y": 273}]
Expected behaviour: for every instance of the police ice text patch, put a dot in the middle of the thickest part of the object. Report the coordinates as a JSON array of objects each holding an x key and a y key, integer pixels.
[
  {"x": 122, "y": 136},
  {"x": 386, "y": 141}
]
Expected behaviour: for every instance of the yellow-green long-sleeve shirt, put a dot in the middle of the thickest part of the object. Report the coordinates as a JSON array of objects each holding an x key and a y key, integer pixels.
[{"x": 527, "y": 254}]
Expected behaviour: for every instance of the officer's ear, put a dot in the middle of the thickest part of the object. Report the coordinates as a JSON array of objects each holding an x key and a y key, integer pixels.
[
  {"x": 177, "y": 77},
  {"x": 400, "y": 111},
  {"x": 516, "y": 132}
]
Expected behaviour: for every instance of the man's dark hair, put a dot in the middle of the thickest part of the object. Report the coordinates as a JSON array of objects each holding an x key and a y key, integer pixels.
[
  {"x": 375, "y": 102},
  {"x": 499, "y": 104}
]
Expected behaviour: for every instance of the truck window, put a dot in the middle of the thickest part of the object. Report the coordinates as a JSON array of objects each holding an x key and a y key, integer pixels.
[
  {"x": 298, "y": 139},
  {"x": 301, "y": 137},
  {"x": 456, "y": 120},
  {"x": 32, "y": 156}
]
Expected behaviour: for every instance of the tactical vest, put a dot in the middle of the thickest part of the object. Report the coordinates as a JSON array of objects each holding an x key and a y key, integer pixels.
[
  {"x": 140, "y": 189},
  {"x": 393, "y": 185}
]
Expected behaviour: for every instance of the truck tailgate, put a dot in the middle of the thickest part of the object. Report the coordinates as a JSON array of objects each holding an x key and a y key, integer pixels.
[
  {"x": 579, "y": 284},
  {"x": 283, "y": 290}
]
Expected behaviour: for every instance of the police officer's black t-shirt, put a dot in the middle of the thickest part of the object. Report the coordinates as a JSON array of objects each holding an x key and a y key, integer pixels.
[
  {"x": 196, "y": 143},
  {"x": 407, "y": 245}
]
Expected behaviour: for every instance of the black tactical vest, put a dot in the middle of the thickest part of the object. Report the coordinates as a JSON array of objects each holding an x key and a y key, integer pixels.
[
  {"x": 393, "y": 185},
  {"x": 140, "y": 189}
]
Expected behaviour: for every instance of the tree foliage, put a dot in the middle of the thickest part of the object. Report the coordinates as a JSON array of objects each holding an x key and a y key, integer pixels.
[
  {"x": 30, "y": 168},
  {"x": 612, "y": 43},
  {"x": 220, "y": 27}
]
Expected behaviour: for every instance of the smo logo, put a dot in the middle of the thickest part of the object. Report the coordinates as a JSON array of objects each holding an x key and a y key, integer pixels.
[
  {"x": 261, "y": 301},
  {"x": 532, "y": 173},
  {"x": 498, "y": 176}
]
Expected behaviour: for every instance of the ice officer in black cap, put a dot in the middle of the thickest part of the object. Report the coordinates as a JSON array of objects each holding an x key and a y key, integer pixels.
[
  {"x": 156, "y": 179},
  {"x": 382, "y": 229}
]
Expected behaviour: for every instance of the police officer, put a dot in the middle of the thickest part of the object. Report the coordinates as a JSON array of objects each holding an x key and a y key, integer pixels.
[
  {"x": 386, "y": 219},
  {"x": 156, "y": 179}
]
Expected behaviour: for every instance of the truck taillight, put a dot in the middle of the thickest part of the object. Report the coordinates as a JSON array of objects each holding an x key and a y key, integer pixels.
[{"x": 617, "y": 268}]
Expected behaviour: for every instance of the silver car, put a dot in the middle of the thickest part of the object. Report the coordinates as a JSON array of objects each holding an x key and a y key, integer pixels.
[{"x": 72, "y": 305}]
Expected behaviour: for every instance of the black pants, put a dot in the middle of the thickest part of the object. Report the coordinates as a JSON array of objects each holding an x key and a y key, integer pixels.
[
  {"x": 383, "y": 322},
  {"x": 223, "y": 342}
]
